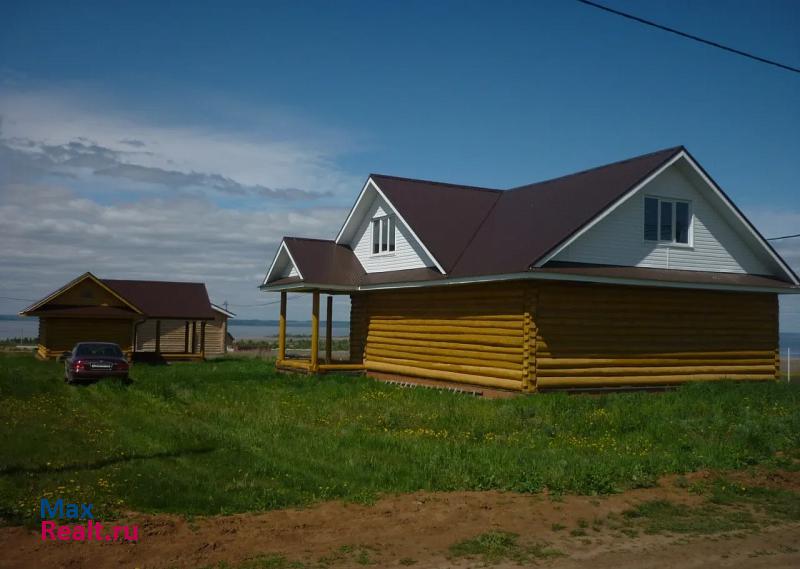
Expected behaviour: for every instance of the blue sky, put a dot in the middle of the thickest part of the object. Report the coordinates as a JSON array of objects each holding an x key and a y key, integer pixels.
[{"x": 181, "y": 140}]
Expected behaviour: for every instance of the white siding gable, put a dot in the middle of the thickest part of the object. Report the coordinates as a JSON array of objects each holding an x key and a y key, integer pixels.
[
  {"x": 282, "y": 266},
  {"x": 618, "y": 239},
  {"x": 407, "y": 254}
]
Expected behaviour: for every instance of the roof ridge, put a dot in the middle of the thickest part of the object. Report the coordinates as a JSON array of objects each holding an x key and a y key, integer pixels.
[
  {"x": 285, "y": 237},
  {"x": 477, "y": 230},
  {"x": 151, "y": 281},
  {"x": 673, "y": 149},
  {"x": 437, "y": 183}
]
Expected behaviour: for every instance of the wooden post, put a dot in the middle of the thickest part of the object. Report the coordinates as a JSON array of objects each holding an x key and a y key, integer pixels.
[
  {"x": 282, "y": 329},
  {"x": 328, "y": 329},
  {"x": 203, "y": 339},
  {"x": 186, "y": 337},
  {"x": 158, "y": 336},
  {"x": 315, "y": 332}
]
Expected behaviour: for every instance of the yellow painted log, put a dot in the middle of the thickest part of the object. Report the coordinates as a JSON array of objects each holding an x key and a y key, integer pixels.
[
  {"x": 444, "y": 343},
  {"x": 314, "y": 330},
  {"x": 509, "y": 324},
  {"x": 708, "y": 343},
  {"x": 294, "y": 364},
  {"x": 438, "y": 358},
  {"x": 642, "y": 371},
  {"x": 443, "y": 375},
  {"x": 572, "y": 363},
  {"x": 282, "y": 328},
  {"x": 462, "y": 338},
  {"x": 457, "y": 368},
  {"x": 328, "y": 329},
  {"x": 434, "y": 349},
  {"x": 678, "y": 333},
  {"x": 459, "y": 318},
  {"x": 616, "y": 355},
  {"x": 549, "y": 382},
  {"x": 647, "y": 321},
  {"x": 341, "y": 367},
  {"x": 445, "y": 330},
  {"x": 473, "y": 310}
]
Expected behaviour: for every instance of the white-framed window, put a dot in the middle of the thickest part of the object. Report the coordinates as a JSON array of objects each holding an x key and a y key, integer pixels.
[
  {"x": 667, "y": 220},
  {"x": 383, "y": 234}
]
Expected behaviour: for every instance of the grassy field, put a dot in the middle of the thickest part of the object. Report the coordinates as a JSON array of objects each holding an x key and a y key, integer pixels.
[{"x": 232, "y": 436}]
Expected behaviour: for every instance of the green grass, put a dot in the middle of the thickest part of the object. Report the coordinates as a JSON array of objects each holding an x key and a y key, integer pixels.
[
  {"x": 729, "y": 506},
  {"x": 497, "y": 546},
  {"x": 660, "y": 516},
  {"x": 231, "y": 435}
]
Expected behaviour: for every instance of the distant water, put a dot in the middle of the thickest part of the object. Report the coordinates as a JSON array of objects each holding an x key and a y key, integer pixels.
[
  {"x": 790, "y": 340},
  {"x": 255, "y": 332},
  {"x": 27, "y": 328}
]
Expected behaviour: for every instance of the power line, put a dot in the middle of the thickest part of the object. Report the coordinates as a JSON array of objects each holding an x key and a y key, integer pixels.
[
  {"x": 689, "y": 36},
  {"x": 784, "y": 237},
  {"x": 12, "y": 298}
]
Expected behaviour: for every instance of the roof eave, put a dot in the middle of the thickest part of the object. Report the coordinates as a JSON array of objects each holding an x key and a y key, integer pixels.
[{"x": 536, "y": 276}]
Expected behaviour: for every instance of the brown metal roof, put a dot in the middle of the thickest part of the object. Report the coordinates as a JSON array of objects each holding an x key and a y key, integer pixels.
[
  {"x": 163, "y": 299},
  {"x": 84, "y": 312},
  {"x": 528, "y": 222},
  {"x": 324, "y": 262},
  {"x": 402, "y": 276},
  {"x": 443, "y": 216},
  {"x": 474, "y": 231},
  {"x": 662, "y": 275}
]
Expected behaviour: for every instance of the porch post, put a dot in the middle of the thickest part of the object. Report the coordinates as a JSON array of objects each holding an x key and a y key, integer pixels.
[
  {"x": 203, "y": 339},
  {"x": 158, "y": 336},
  {"x": 315, "y": 332},
  {"x": 194, "y": 335},
  {"x": 282, "y": 329},
  {"x": 186, "y": 337},
  {"x": 328, "y": 329}
]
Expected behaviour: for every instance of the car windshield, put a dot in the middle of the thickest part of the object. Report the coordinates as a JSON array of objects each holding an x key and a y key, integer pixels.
[{"x": 104, "y": 350}]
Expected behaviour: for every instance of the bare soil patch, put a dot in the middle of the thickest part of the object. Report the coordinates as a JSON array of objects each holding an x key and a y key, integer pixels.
[{"x": 421, "y": 529}]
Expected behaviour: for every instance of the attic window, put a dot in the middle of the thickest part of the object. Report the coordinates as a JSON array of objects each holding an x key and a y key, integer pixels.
[
  {"x": 383, "y": 234},
  {"x": 667, "y": 221}
]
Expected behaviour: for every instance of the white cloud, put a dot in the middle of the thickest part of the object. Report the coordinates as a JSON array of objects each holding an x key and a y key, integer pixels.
[
  {"x": 167, "y": 206},
  {"x": 50, "y": 235},
  {"x": 42, "y": 124}
]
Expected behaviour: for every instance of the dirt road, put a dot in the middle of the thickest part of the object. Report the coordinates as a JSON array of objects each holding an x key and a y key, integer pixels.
[{"x": 419, "y": 530}]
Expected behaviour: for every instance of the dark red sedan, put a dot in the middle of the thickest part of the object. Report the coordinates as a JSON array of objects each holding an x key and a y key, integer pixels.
[{"x": 94, "y": 360}]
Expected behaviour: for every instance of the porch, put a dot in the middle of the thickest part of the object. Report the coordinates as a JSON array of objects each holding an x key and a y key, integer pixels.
[
  {"x": 314, "y": 364},
  {"x": 162, "y": 339}
]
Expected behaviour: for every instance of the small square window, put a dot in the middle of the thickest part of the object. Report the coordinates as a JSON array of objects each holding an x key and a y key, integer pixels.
[{"x": 667, "y": 221}]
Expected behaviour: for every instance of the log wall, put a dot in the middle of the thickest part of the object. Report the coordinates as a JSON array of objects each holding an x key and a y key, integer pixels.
[
  {"x": 525, "y": 336},
  {"x": 472, "y": 334},
  {"x": 59, "y": 335},
  {"x": 588, "y": 334},
  {"x": 173, "y": 336}
]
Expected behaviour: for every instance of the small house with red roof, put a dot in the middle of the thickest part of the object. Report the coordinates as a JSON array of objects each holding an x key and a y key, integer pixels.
[{"x": 158, "y": 319}]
